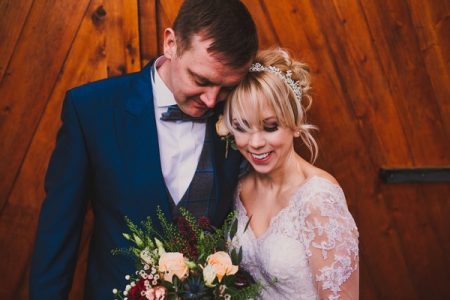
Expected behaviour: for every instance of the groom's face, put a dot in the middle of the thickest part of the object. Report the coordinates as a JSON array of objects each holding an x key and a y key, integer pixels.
[{"x": 197, "y": 78}]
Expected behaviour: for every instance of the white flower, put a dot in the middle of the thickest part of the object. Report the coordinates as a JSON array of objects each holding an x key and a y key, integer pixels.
[
  {"x": 160, "y": 246},
  {"x": 127, "y": 277},
  {"x": 209, "y": 274},
  {"x": 146, "y": 256},
  {"x": 115, "y": 291}
]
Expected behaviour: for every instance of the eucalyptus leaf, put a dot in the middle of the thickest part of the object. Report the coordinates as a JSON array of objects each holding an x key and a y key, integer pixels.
[{"x": 233, "y": 229}]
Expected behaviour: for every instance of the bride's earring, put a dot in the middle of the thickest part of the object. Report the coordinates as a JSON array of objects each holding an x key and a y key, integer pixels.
[{"x": 297, "y": 134}]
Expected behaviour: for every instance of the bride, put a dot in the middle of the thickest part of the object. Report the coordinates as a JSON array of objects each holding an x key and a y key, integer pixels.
[{"x": 301, "y": 242}]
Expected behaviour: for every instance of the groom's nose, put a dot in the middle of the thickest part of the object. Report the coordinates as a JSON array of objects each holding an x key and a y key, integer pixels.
[{"x": 209, "y": 96}]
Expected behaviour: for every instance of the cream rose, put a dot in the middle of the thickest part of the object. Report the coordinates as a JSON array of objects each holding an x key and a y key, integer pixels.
[
  {"x": 209, "y": 274},
  {"x": 221, "y": 129},
  {"x": 222, "y": 264},
  {"x": 173, "y": 263}
]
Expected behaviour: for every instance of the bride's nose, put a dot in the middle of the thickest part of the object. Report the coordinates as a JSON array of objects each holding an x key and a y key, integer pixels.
[{"x": 256, "y": 139}]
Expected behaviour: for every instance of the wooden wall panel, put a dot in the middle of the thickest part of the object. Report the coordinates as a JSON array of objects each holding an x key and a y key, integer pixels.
[
  {"x": 32, "y": 55},
  {"x": 14, "y": 15},
  {"x": 104, "y": 41},
  {"x": 381, "y": 87},
  {"x": 148, "y": 30}
]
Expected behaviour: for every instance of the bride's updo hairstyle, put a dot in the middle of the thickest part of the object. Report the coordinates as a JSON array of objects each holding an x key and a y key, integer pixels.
[{"x": 268, "y": 84}]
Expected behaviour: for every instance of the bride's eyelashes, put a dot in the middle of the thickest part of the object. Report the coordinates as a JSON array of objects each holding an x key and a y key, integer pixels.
[
  {"x": 238, "y": 127},
  {"x": 266, "y": 127},
  {"x": 270, "y": 128},
  {"x": 270, "y": 125}
]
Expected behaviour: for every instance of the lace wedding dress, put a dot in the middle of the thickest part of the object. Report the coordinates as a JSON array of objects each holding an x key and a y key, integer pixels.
[{"x": 310, "y": 248}]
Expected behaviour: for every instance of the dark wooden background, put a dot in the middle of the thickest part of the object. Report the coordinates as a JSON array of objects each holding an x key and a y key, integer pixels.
[{"x": 381, "y": 73}]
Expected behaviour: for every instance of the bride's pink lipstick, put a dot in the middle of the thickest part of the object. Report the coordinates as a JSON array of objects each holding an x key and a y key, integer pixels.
[{"x": 260, "y": 158}]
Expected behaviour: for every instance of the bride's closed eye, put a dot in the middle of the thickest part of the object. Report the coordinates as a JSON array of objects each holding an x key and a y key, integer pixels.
[
  {"x": 238, "y": 126},
  {"x": 270, "y": 126}
]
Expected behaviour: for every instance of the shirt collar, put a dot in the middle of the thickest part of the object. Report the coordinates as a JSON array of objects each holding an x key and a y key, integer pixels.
[{"x": 161, "y": 93}]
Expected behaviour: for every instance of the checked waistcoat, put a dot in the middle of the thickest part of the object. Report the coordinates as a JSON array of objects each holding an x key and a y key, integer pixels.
[{"x": 200, "y": 196}]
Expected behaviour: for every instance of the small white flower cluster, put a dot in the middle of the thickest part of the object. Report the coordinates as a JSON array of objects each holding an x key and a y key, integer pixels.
[{"x": 150, "y": 276}]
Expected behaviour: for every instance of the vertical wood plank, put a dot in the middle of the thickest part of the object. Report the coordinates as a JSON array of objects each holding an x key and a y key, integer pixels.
[
  {"x": 122, "y": 43},
  {"x": 148, "y": 30}
]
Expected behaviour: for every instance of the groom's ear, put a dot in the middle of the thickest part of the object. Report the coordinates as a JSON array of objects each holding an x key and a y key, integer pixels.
[{"x": 170, "y": 43}]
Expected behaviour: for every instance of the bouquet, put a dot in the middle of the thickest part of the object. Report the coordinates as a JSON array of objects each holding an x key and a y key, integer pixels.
[{"x": 187, "y": 260}]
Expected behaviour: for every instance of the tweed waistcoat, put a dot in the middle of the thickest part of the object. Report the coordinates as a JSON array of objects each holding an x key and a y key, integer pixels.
[{"x": 200, "y": 196}]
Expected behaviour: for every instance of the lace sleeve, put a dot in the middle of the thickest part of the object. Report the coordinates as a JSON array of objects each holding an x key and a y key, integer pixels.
[{"x": 331, "y": 242}]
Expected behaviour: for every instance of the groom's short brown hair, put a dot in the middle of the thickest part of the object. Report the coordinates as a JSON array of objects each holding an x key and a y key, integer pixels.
[{"x": 227, "y": 22}]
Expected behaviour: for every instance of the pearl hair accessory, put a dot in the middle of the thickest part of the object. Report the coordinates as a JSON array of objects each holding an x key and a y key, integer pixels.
[{"x": 286, "y": 77}]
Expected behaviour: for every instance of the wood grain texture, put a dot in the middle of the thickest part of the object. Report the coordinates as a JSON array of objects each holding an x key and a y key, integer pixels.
[
  {"x": 32, "y": 72},
  {"x": 381, "y": 88},
  {"x": 148, "y": 30},
  {"x": 86, "y": 59},
  {"x": 12, "y": 18}
]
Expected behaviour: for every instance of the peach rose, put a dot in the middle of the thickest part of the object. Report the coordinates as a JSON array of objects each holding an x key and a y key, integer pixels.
[
  {"x": 173, "y": 263},
  {"x": 222, "y": 264}
]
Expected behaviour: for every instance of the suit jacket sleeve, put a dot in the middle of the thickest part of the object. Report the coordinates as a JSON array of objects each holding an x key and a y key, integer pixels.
[{"x": 63, "y": 211}]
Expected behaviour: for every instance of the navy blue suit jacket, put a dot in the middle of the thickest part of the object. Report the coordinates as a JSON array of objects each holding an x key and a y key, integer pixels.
[{"x": 107, "y": 156}]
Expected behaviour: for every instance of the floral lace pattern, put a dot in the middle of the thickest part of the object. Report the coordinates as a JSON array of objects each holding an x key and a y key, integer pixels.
[{"x": 310, "y": 248}]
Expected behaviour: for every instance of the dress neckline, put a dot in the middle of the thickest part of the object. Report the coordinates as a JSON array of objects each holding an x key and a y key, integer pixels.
[{"x": 283, "y": 210}]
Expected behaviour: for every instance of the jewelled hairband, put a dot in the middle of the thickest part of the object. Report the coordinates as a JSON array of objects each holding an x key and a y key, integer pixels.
[{"x": 286, "y": 77}]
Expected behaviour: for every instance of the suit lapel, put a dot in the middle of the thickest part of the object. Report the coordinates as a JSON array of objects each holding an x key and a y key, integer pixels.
[{"x": 138, "y": 142}]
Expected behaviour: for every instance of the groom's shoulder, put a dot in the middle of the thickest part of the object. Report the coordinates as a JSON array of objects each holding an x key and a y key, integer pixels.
[
  {"x": 107, "y": 86},
  {"x": 109, "y": 92}
]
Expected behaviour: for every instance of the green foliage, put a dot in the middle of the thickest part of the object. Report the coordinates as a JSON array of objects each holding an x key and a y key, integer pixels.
[
  {"x": 148, "y": 244},
  {"x": 170, "y": 236}
]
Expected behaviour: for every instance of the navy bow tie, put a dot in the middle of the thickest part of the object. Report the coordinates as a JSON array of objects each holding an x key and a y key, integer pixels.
[{"x": 174, "y": 113}]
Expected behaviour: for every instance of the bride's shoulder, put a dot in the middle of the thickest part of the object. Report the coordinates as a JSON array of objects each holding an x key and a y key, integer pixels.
[
  {"x": 314, "y": 171},
  {"x": 321, "y": 186}
]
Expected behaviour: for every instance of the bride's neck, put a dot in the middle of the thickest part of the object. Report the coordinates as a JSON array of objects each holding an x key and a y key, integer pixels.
[{"x": 290, "y": 175}]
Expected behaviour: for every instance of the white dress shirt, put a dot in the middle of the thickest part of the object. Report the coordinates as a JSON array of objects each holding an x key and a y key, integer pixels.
[{"x": 180, "y": 143}]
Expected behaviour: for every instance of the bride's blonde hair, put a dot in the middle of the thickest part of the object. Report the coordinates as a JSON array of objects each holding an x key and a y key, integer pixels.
[{"x": 261, "y": 89}]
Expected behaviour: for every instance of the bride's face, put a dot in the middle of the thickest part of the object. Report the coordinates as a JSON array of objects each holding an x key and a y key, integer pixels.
[{"x": 269, "y": 147}]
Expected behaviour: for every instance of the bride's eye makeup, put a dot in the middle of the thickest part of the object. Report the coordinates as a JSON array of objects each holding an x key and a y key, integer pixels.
[
  {"x": 270, "y": 126},
  {"x": 238, "y": 127}
]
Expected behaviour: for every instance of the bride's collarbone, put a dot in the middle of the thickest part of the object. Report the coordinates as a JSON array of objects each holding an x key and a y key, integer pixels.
[{"x": 262, "y": 207}]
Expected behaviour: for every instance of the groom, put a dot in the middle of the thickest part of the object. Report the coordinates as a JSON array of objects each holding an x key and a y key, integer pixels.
[{"x": 133, "y": 143}]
